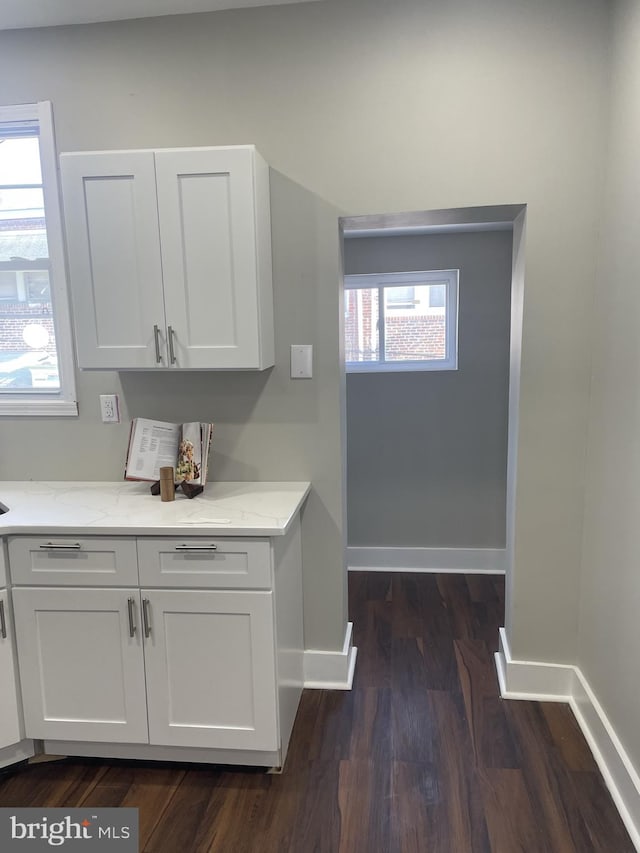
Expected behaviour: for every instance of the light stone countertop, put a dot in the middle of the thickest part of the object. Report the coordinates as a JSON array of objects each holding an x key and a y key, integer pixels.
[{"x": 128, "y": 509}]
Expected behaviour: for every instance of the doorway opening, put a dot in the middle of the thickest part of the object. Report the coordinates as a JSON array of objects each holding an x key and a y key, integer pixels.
[{"x": 431, "y": 456}]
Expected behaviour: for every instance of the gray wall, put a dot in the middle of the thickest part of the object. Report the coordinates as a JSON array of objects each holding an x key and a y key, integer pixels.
[
  {"x": 427, "y": 451},
  {"x": 376, "y": 106},
  {"x": 610, "y": 591}
]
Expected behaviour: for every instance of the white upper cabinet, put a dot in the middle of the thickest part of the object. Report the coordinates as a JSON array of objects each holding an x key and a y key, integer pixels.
[{"x": 170, "y": 258}]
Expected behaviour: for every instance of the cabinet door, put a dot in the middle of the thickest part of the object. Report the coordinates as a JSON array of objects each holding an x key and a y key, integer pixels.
[
  {"x": 114, "y": 258},
  {"x": 9, "y": 709},
  {"x": 81, "y": 664},
  {"x": 210, "y": 665},
  {"x": 213, "y": 209}
]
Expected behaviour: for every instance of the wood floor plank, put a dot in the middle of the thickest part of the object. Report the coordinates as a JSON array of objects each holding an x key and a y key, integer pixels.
[
  {"x": 413, "y": 727},
  {"x": 481, "y": 588},
  {"x": 605, "y": 830},
  {"x": 317, "y": 826},
  {"x": 457, "y": 820},
  {"x": 239, "y": 812},
  {"x": 373, "y": 639},
  {"x": 190, "y": 821},
  {"x": 511, "y": 823},
  {"x": 362, "y": 787},
  {"x": 371, "y": 734},
  {"x": 414, "y": 787},
  {"x": 547, "y": 780},
  {"x": 149, "y": 789},
  {"x": 455, "y": 594},
  {"x": 567, "y": 737},
  {"x": 491, "y": 736},
  {"x": 52, "y": 785}
]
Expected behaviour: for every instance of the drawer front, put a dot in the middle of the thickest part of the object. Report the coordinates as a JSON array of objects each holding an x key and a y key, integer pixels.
[
  {"x": 73, "y": 561},
  {"x": 197, "y": 562}
]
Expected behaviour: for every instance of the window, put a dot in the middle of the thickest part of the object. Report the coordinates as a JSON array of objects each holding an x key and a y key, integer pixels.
[
  {"x": 36, "y": 362},
  {"x": 401, "y": 321}
]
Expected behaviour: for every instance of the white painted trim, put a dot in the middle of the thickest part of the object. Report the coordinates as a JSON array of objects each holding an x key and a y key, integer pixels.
[
  {"x": 62, "y": 403},
  {"x": 542, "y": 682},
  {"x": 34, "y": 406},
  {"x": 325, "y": 670},
  {"x": 548, "y": 682},
  {"x": 16, "y": 752},
  {"x": 152, "y": 752},
  {"x": 468, "y": 560}
]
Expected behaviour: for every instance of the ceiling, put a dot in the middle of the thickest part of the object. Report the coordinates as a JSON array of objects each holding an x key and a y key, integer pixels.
[{"x": 23, "y": 14}]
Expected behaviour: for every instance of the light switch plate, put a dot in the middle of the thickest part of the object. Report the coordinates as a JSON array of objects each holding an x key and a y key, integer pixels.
[{"x": 301, "y": 361}]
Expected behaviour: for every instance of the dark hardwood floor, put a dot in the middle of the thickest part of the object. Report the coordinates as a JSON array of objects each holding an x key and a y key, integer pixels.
[{"x": 422, "y": 756}]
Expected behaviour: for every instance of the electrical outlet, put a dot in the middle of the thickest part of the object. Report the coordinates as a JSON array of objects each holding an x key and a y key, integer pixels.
[{"x": 109, "y": 409}]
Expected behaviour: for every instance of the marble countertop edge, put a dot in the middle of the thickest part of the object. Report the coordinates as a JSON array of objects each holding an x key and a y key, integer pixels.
[{"x": 127, "y": 508}]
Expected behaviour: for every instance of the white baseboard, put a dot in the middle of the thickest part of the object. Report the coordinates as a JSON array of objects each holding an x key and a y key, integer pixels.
[
  {"x": 490, "y": 561},
  {"x": 548, "y": 682},
  {"x": 325, "y": 670}
]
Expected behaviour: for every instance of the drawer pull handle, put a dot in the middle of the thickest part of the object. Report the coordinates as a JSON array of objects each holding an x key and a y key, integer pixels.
[
  {"x": 146, "y": 619},
  {"x": 132, "y": 624},
  {"x": 3, "y": 622},
  {"x": 156, "y": 340},
  {"x": 172, "y": 353},
  {"x": 211, "y": 547},
  {"x": 62, "y": 546}
]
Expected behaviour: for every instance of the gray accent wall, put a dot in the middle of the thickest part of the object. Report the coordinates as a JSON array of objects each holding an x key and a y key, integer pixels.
[
  {"x": 427, "y": 451},
  {"x": 376, "y": 106}
]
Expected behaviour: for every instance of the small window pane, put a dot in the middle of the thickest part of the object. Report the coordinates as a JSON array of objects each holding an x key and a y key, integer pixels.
[
  {"x": 400, "y": 297},
  {"x": 437, "y": 295},
  {"x": 28, "y": 357},
  {"x": 28, "y": 242},
  {"x": 8, "y": 285},
  {"x": 418, "y": 335},
  {"x": 21, "y": 203},
  {"x": 38, "y": 287},
  {"x": 20, "y": 161},
  {"x": 362, "y": 340}
]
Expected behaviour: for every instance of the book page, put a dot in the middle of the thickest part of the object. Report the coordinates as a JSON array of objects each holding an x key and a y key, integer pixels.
[
  {"x": 207, "y": 434},
  {"x": 153, "y": 445},
  {"x": 189, "y": 465}
]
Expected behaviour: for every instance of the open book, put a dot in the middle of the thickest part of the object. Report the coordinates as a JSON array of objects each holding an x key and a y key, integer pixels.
[{"x": 156, "y": 444}]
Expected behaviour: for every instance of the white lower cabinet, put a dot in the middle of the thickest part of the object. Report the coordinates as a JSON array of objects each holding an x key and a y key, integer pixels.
[
  {"x": 200, "y": 664},
  {"x": 10, "y": 731},
  {"x": 144, "y": 669}
]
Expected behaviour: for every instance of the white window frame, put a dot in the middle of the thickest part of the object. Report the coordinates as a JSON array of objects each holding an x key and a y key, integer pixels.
[
  {"x": 64, "y": 401},
  {"x": 378, "y": 281}
]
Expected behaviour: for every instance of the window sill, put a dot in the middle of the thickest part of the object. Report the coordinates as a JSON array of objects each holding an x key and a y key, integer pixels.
[
  {"x": 399, "y": 366},
  {"x": 38, "y": 408}
]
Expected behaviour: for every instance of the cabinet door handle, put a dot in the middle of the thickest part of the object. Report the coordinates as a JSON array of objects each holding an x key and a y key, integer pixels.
[
  {"x": 3, "y": 621},
  {"x": 156, "y": 339},
  {"x": 211, "y": 547},
  {"x": 61, "y": 546},
  {"x": 132, "y": 625},
  {"x": 146, "y": 619},
  {"x": 172, "y": 354}
]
